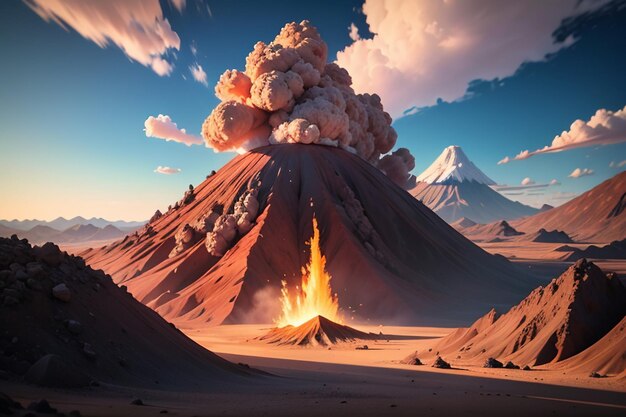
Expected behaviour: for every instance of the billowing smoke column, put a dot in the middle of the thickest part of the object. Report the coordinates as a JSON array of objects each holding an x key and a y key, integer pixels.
[{"x": 290, "y": 94}]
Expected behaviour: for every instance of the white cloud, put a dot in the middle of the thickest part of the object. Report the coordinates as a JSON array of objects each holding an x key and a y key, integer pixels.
[
  {"x": 423, "y": 50},
  {"x": 166, "y": 170},
  {"x": 354, "y": 32},
  {"x": 198, "y": 74},
  {"x": 137, "y": 27},
  {"x": 527, "y": 181},
  {"x": 554, "y": 182},
  {"x": 162, "y": 127},
  {"x": 605, "y": 127},
  {"x": 614, "y": 164},
  {"x": 504, "y": 160},
  {"x": 577, "y": 173},
  {"x": 179, "y": 4},
  {"x": 193, "y": 48}
]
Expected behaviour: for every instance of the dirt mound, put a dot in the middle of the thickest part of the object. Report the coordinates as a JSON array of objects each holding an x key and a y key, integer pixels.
[
  {"x": 65, "y": 324},
  {"x": 220, "y": 254},
  {"x": 595, "y": 216},
  {"x": 552, "y": 324},
  {"x": 319, "y": 331},
  {"x": 463, "y": 223},
  {"x": 614, "y": 250},
  {"x": 545, "y": 236},
  {"x": 501, "y": 229}
]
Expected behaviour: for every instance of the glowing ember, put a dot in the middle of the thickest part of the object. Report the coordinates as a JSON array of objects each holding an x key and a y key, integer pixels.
[{"x": 315, "y": 298}]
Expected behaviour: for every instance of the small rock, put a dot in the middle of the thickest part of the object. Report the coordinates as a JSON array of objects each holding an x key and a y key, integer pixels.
[
  {"x": 74, "y": 326},
  {"x": 11, "y": 292},
  {"x": 33, "y": 284},
  {"x": 61, "y": 292},
  {"x": 595, "y": 374},
  {"x": 492, "y": 363},
  {"x": 49, "y": 253},
  {"x": 88, "y": 351},
  {"x": 511, "y": 365},
  {"x": 42, "y": 406},
  {"x": 21, "y": 275},
  {"x": 364, "y": 347},
  {"x": 440, "y": 363},
  {"x": 137, "y": 401},
  {"x": 35, "y": 270},
  {"x": 10, "y": 301}
]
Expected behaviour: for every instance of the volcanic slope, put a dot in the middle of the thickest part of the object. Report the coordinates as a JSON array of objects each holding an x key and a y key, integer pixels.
[
  {"x": 390, "y": 257},
  {"x": 598, "y": 215},
  {"x": 453, "y": 187}
]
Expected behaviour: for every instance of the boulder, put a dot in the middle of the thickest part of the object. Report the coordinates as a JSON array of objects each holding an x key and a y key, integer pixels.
[
  {"x": 52, "y": 371},
  {"x": 492, "y": 363},
  {"x": 441, "y": 364},
  {"x": 62, "y": 293}
]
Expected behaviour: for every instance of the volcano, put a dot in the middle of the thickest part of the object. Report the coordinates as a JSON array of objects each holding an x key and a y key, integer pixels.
[
  {"x": 319, "y": 331},
  {"x": 453, "y": 187},
  {"x": 222, "y": 253}
]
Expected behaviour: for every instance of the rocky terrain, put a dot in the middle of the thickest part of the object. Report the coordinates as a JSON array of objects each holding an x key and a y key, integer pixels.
[
  {"x": 64, "y": 324},
  {"x": 554, "y": 323}
]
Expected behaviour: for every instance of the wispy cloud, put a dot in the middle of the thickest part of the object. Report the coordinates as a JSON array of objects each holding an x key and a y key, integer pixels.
[
  {"x": 614, "y": 164},
  {"x": 605, "y": 127},
  {"x": 527, "y": 181},
  {"x": 162, "y": 127},
  {"x": 137, "y": 27},
  {"x": 179, "y": 4},
  {"x": 198, "y": 74},
  {"x": 166, "y": 170},
  {"x": 577, "y": 173}
]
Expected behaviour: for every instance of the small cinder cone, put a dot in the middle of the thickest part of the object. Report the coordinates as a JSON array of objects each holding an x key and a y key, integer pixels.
[{"x": 319, "y": 331}]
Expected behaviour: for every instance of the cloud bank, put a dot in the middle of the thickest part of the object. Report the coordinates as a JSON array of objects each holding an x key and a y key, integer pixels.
[
  {"x": 162, "y": 127},
  {"x": 166, "y": 170},
  {"x": 423, "y": 50},
  {"x": 137, "y": 27},
  {"x": 605, "y": 127},
  {"x": 288, "y": 93}
]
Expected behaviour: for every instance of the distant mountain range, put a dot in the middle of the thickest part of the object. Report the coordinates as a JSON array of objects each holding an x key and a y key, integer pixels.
[
  {"x": 61, "y": 223},
  {"x": 63, "y": 231},
  {"x": 454, "y": 188}
]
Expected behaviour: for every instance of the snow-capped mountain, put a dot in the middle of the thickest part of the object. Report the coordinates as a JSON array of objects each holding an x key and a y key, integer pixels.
[
  {"x": 453, "y": 187},
  {"x": 453, "y": 165}
]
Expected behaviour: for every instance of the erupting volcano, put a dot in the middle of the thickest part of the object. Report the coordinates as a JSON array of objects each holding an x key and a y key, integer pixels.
[
  {"x": 315, "y": 297},
  {"x": 228, "y": 250}
]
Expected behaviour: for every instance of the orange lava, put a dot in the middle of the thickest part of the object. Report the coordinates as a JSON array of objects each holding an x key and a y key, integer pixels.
[{"x": 314, "y": 298}]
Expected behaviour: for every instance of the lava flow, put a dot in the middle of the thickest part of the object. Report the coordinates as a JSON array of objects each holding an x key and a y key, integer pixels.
[{"x": 314, "y": 298}]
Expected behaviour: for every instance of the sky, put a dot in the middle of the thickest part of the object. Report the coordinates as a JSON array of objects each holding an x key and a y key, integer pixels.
[{"x": 495, "y": 80}]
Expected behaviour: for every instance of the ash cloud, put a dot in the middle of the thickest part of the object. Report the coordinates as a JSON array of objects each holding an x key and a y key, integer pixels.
[{"x": 288, "y": 93}]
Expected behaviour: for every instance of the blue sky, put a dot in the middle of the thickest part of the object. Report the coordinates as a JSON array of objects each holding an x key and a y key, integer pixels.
[{"x": 72, "y": 113}]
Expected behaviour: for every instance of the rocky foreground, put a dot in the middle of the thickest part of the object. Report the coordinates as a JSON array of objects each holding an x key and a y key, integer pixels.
[{"x": 63, "y": 324}]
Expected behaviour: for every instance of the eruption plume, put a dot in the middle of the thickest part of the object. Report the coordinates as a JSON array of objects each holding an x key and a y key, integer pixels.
[{"x": 288, "y": 93}]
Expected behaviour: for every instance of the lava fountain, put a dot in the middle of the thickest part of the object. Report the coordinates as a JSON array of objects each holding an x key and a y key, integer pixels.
[{"x": 314, "y": 297}]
